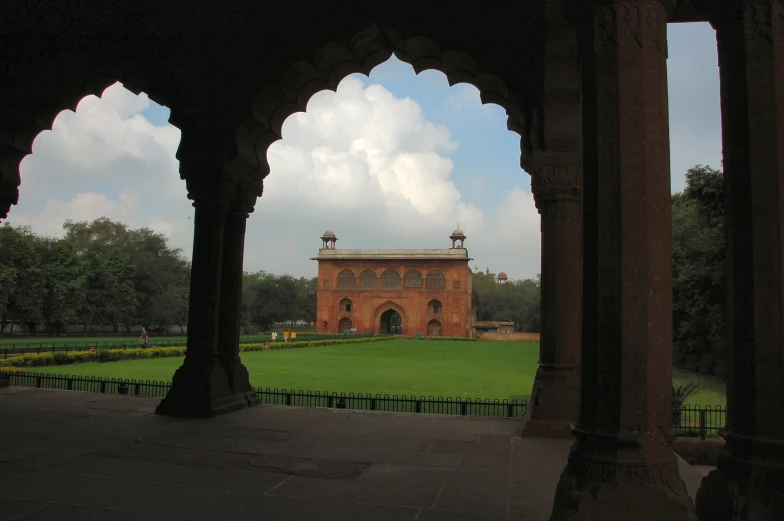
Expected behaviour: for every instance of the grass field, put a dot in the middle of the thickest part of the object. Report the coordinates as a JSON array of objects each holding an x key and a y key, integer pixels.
[
  {"x": 421, "y": 368},
  {"x": 63, "y": 340}
]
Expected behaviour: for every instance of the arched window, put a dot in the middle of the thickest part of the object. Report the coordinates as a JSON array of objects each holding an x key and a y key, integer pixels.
[
  {"x": 367, "y": 279},
  {"x": 347, "y": 278},
  {"x": 345, "y": 305},
  {"x": 413, "y": 279},
  {"x": 390, "y": 279},
  {"x": 434, "y": 307},
  {"x": 435, "y": 279}
]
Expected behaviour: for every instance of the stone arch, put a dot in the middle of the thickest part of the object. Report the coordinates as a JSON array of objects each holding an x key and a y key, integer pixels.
[
  {"x": 386, "y": 306},
  {"x": 434, "y": 328},
  {"x": 436, "y": 279},
  {"x": 345, "y": 305},
  {"x": 390, "y": 279},
  {"x": 434, "y": 307},
  {"x": 346, "y": 278},
  {"x": 344, "y": 324},
  {"x": 368, "y": 279},
  {"x": 364, "y": 51},
  {"x": 413, "y": 279},
  {"x": 31, "y": 113}
]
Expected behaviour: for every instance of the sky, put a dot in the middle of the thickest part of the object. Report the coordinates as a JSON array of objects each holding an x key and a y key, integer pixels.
[{"x": 393, "y": 160}]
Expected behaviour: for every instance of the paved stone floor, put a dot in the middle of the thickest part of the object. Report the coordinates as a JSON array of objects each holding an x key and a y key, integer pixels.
[{"x": 71, "y": 455}]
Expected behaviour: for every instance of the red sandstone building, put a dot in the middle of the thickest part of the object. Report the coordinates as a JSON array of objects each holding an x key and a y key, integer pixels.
[{"x": 394, "y": 291}]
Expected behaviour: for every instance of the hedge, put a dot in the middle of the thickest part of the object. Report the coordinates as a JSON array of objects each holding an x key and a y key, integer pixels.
[
  {"x": 458, "y": 338},
  {"x": 117, "y": 355}
]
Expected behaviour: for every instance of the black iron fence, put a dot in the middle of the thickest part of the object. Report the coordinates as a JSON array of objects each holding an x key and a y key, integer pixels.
[
  {"x": 25, "y": 348},
  {"x": 695, "y": 421},
  {"x": 701, "y": 422},
  {"x": 369, "y": 402}
]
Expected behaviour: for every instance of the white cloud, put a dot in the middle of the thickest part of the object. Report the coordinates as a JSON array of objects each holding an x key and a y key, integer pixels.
[
  {"x": 372, "y": 168},
  {"x": 105, "y": 159},
  {"x": 360, "y": 161}
]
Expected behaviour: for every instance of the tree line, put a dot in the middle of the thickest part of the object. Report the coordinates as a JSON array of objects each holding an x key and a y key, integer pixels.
[
  {"x": 99, "y": 272},
  {"x": 105, "y": 272},
  {"x": 269, "y": 299},
  {"x": 517, "y": 301}
]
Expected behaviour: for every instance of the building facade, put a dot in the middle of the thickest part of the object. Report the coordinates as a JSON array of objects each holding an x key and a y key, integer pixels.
[{"x": 405, "y": 292}]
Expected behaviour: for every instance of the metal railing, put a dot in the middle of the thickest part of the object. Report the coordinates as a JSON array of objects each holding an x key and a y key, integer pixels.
[
  {"x": 701, "y": 422},
  {"x": 369, "y": 402},
  {"x": 27, "y": 348},
  {"x": 695, "y": 421}
]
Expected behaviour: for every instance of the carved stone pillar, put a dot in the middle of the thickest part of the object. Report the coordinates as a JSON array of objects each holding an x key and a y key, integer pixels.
[
  {"x": 621, "y": 465},
  {"x": 555, "y": 398},
  {"x": 241, "y": 203},
  {"x": 211, "y": 381},
  {"x": 749, "y": 481},
  {"x": 200, "y": 386}
]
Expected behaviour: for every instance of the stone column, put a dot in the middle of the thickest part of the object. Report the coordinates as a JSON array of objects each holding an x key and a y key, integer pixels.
[
  {"x": 749, "y": 481},
  {"x": 621, "y": 465},
  {"x": 201, "y": 387},
  {"x": 231, "y": 291},
  {"x": 555, "y": 399}
]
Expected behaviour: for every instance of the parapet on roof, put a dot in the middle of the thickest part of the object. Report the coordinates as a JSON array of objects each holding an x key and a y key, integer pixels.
[{"x": 431, "y": 254}]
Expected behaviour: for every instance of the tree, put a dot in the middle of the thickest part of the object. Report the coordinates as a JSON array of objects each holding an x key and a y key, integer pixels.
[
  {"x": 268, "y": 299},
  {"x": 150, "y": 281},
  {"x": 698, "y": 271},
  {"x": 516, "y": 301},
  {"x": 121, "y": 300},
  {"x": 65, "y": 284},
  {"x": 21, "y": 277}
]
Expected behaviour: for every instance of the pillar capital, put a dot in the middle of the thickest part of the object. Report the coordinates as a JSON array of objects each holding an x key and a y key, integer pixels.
[
  {"x": 554, "y": 181},
  {"x": 761, "y": 19},
  {"x": 8, "y": 197},
  {"x": 9, "y": 178},
  {"x": 240, "y": 193}
]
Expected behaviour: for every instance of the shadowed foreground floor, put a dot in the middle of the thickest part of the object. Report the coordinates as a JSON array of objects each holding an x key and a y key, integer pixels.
[{"x": 72, "y": 455}]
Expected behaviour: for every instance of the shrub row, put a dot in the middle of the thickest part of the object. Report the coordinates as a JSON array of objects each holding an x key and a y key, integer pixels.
[
  {"x": 313, "y": 343},
  {"x": 116, "y": 355},
  {"x": 459, "y": 338}
]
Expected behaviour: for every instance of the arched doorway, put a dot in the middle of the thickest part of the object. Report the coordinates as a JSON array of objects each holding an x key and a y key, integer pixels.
[
  {"x": 391, "y": 323},
  {"x": 434, "y": 328},
  {"x": 345, "y": 324}
]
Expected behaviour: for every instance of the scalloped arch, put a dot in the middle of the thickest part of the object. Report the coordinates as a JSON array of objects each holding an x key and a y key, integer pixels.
[
  {"x": 26, "y": 124},
  {"x": 333, "y": 62}
]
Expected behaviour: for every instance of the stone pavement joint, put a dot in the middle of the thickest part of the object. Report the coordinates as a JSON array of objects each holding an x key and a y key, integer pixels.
[{"x": 72, "y": 455}]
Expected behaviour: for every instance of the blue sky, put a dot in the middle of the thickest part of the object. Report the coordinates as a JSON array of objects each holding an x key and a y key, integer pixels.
[{"x": 394, "y": 160}]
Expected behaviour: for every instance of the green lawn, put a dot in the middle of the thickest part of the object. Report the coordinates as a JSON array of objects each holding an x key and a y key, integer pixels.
[{"x": 421, "y": 368}]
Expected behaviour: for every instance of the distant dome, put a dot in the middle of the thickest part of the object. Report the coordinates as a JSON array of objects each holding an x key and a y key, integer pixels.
[
  {"x": 329, "y": 233},
  {"x": 458, "y": 232},
  {"x": 502, "y": 276}
]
